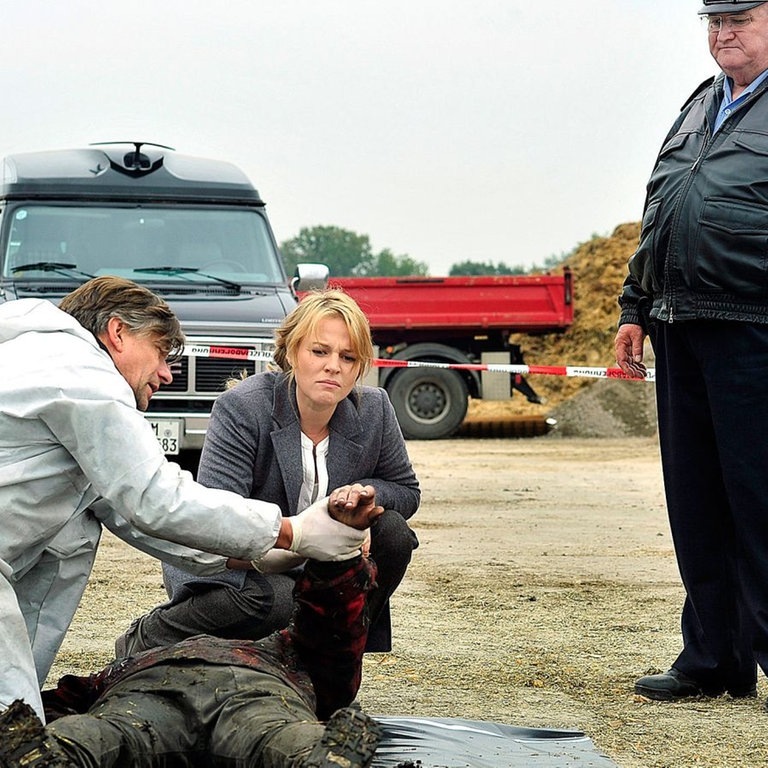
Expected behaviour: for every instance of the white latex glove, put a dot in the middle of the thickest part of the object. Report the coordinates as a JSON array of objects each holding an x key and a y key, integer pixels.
[
  {"x": 318, "y": 536},
  {"x": 278, "y": 561}
]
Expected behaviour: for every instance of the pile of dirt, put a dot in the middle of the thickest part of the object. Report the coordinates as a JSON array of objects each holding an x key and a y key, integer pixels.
[{"x": 587, "y": 407}]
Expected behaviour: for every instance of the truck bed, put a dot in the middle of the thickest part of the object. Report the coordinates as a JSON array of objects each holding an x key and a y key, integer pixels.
[{"x": 516, "y": 304}]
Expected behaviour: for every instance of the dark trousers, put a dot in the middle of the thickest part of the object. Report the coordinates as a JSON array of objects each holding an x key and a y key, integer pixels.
[
  {"x": 189, "y": 715},
  {"x": 712, "y": 400}
]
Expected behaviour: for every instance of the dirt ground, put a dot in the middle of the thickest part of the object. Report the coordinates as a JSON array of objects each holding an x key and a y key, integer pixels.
[{"x": 545, "y": 583}]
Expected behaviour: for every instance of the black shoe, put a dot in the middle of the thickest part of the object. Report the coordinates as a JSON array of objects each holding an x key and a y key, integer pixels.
[
  {"x": 350, "y": 740},
  {"x": 743, "y": 693},
  {"x": 670, "y": 686},
  {"x": 23, "y": 743}
]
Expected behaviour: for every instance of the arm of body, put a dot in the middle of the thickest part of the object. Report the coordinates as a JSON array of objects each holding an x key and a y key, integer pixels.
[{"x": 330, "y": 626}]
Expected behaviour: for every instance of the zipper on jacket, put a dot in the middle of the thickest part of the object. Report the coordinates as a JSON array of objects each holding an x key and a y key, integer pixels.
[
  {"x": 665, "y": 314},
  {"x": 668, "y": 303}
]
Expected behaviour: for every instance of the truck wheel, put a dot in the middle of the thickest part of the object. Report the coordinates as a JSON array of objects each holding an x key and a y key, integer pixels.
[{"x": 430, "y": 403}]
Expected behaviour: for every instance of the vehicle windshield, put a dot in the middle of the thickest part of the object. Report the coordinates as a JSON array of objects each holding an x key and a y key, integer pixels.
[{"x": 200, "y": 245}]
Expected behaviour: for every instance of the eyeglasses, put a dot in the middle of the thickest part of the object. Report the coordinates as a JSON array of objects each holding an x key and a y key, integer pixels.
[{"x": 732, "y": 22}]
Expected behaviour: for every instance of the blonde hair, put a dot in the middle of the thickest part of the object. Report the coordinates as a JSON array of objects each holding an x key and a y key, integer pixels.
[{"x": 314, "y": 307}]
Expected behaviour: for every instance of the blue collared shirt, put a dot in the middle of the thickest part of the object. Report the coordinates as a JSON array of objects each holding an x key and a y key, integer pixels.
[{"x": 729, "y": 105}]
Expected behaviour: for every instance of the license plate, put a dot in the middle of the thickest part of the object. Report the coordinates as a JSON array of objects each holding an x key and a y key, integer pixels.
[{"x": 167, "y": 434}]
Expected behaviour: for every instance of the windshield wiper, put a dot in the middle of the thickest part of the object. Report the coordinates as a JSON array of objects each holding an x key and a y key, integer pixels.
[
  {"x": 49, "y": 266},
  {"x": 183, "y": 271}
]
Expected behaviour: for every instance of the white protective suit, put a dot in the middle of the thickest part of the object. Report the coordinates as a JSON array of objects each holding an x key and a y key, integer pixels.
[{"x": 75, "y": 453}]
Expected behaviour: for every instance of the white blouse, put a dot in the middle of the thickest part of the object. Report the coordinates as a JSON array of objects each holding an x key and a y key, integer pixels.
[{"x": 314, "y": 483}]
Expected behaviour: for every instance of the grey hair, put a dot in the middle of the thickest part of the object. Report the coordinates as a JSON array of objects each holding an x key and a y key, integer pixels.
[{"x": 96, "y": 302}]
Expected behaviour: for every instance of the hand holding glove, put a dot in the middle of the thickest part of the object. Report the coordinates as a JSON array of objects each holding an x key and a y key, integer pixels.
[{"x": 318, "y": 536}]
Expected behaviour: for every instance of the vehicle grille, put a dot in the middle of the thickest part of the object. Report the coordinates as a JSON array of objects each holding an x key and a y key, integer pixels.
[{"x": 206, "y": 375}]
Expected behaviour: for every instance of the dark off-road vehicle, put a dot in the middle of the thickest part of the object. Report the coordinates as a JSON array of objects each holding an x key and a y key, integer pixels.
[{"x": 193, "y": 230}]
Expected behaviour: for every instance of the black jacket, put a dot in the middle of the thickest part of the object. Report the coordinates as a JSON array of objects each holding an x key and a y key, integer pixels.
[{"x": 703, "y": 250}]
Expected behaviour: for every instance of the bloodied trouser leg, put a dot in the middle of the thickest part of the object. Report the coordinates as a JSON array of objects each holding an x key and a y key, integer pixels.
[
  {"x": 272, "y": 726},
  {"x": 158, "y": 712},
  {"x": 192, "y": 714},
  {"x": 264, "y": 723}
]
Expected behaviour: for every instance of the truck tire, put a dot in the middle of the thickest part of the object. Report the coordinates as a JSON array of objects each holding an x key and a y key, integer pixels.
[{"x": 430, "y": 403}]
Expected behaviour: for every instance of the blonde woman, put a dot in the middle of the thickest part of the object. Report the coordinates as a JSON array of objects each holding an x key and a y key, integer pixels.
[{"x": 289, "y": 437}]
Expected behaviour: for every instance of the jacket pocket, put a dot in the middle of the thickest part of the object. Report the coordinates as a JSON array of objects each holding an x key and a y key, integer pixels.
[
  {"x": 642, "y": 264},
  {"x": 730, "y": 250},
  {"x": 673, "y": 144},
  {"x": 755, "y": 142}
]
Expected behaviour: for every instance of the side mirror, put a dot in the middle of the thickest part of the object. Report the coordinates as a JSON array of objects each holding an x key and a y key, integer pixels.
[{"x": 309, "y": 277}]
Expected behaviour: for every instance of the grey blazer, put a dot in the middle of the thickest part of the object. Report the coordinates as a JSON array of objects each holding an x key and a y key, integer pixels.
[{"x": 253, "y": 447}]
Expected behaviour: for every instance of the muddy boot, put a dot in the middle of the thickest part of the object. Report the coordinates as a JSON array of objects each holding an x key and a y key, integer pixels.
[
  {"x": 23, "y": 743},
  {"x": 349, "y": 741}
]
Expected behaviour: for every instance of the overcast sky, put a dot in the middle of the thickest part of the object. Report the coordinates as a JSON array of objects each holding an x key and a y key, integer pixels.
[{"x": 496, "y": 130}]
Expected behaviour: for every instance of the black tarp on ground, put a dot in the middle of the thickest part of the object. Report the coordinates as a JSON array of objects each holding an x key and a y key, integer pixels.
[{"x": 436, "y": 742}]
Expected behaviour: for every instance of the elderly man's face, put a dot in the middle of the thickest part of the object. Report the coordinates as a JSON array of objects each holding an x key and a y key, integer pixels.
[
  {"x": 142, "y": 362},
  {"x": 741, "y": 51}
]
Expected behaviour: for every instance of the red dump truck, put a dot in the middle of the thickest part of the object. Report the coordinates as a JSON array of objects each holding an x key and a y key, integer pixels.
[{"x": 455, "y": 321}]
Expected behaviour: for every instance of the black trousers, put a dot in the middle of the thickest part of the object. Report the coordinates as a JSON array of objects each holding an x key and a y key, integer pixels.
[{"x": 712, "y": 394}]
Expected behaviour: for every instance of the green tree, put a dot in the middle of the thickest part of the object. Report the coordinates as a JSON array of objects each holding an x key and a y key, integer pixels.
[
  {"x": 386, "y": 264},
  {"x": 346, "y": 254},
  {"x": 479, "y": 268}
]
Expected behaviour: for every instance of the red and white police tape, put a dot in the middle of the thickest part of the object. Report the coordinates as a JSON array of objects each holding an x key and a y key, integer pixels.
[{"x": 580, "y": 371}]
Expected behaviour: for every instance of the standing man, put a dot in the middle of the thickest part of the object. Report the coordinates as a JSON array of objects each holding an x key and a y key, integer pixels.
[
  {"x": 698, "y": 285},
  {"x": 76, "y": 453}
]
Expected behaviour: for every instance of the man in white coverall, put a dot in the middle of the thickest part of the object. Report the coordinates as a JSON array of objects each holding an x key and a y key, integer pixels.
[{"x": 76, "y": 454}]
